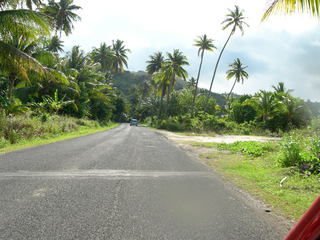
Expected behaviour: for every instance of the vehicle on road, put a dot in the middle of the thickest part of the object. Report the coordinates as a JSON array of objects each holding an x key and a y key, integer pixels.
[{"x": 134, "y": 122}]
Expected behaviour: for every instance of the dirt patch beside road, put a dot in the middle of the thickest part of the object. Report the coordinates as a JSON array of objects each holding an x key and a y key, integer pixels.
[{"x": 216, "y": 139}]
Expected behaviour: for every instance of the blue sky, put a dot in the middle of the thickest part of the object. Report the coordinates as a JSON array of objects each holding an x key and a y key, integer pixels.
[{"x": 284, "y": 48}]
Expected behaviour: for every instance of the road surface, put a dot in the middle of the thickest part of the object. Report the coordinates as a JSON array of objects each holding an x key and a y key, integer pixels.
[{"x": 125, "y": 183}]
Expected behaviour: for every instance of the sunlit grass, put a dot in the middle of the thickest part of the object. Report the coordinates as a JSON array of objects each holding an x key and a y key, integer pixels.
[{"x": 261, "y": 177}]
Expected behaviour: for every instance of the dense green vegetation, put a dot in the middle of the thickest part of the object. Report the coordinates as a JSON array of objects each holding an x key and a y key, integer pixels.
[
  {"x": 22, "y": 131},
  {"x": 39, "y": 82},
  {"x": 158, "y": 101}
]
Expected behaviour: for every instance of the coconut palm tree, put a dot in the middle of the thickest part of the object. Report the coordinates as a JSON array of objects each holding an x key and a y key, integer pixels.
[
  {"x": 14, "y": 62},
  {"x": 55, "y": 45},
  {"x": 281, "y": 89},
  {"x": 204, "y": 44},
  {"x": 155, "y": 63},
  {"x": 103, "y": 55},
  {"x": 30, "y": 3},
  {"x": 76, "y": 59},
  {"x": 267, "y": 104},
  {"x": 120, "y": 56},
  {"x": 173, "y": 67},
  {"x": 162, "y": 82},
  {"x": 63, "y": 15},
  {"x": 289, "y": 6},
  {"x": 235, "y": 20},
  {"x": 236, "y": 71}
]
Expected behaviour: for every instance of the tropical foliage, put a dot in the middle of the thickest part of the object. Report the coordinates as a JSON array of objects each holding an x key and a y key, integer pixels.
[
  {"x": 36, "y": 79},
  {"x": 290, "y": 6}
]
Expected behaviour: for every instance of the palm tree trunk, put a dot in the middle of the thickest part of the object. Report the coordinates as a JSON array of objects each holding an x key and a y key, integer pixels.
[
  {"x": 161, "y": 104},
  {"x": 170, "y": 91},
  {"x": 198, "y": 76},
  {"x": 235, "y": 81},
  {"x": 12, "y": 79},
  {"x": 218, "y": 61}
]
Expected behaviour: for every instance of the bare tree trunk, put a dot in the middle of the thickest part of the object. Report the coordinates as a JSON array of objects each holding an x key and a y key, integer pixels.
[
  {"x": 12, "y": 80},
  {"x": 218, "y": 61},
  {"x": 161, "y": 104},
  {"x": 196, "y": 89},
  {"x": 235, "y": 81},
  {"x": 170, "y": 91}
]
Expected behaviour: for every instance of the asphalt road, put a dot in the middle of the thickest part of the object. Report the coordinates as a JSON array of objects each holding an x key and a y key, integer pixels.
[{"x": 125, "y": 183}]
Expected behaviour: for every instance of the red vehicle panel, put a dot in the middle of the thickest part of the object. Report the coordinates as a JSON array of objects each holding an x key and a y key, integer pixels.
[{"x": 308, "y": 228}]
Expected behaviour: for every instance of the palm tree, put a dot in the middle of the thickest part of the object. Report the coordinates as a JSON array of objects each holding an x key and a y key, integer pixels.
[
  {"x": 155, "y": 63},
  {"x": 16, "y": 3},
  {"x": 162, "y": 82},
  {"x": 62, "y": 14},
  {"x": 30, "y": 3},
  {"x": 103, "y": 55},
  {"x": 173, "y": 67},
  {"x": 120, "y": 56},
  {"x": 236, "y": 71},
  {"x": 191, "y": 83},
  {"x": 281, "y": 89},
  {"x": 204, "y": 44},
  {"x": 289, "y": 6},
  {"x": 76, "y": 59},
  {"x": 55, "y": 45},
  {"x": 235, "y": 20},
  {"x": 14, "y": 62},
  {"x": 266, "y": 104}
]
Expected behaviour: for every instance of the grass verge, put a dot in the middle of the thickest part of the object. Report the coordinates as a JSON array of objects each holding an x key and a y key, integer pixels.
[
  {"x": 82, "y": 131},
  {"x": 256, "y": 171}
]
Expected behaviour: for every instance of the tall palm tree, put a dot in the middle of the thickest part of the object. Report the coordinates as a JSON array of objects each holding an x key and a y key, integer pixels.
[
  {"x": 173, "y": 67},
  {"x": 63, "y": 15},
  {"x": 55, "y": 45},
  {"x": 155, "y": 63},
  {"x": 236, "y": 71},
  {"x": 289, "y": 6},
  {"x": 120, "y": 56},
  {"x": 204, "y": 44},
  {"x": 162, "y": 82},
  {"x": 235, "y": 20},
  {"x": 103, "y": 55}
]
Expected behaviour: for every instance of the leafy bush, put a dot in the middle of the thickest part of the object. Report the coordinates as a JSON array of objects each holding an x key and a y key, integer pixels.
[
  {"x": 21, "y": 127},
  {"x": 250, "y": 148},
  {"x": 301, "y": 152}
]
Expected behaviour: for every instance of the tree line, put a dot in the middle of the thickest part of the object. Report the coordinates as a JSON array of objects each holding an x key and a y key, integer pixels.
[{"x": 35, "y": 73}]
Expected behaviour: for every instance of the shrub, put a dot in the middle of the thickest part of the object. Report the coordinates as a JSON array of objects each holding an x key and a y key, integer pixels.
[
  {"x": 250, "y": 148},
  {"x": 291, "y": 149},
  {"x": 303, "y": 153},
  {"x": 26, "y": 126}
]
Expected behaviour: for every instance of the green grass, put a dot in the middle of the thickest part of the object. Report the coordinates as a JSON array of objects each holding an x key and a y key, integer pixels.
[
  {"x": 82, "y": 131},
  {"x": 250, "y": 148},
  {"x": 260, "y": 175}
]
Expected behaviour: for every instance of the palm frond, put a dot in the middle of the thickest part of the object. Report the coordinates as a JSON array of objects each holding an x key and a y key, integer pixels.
[{"x": 311, "y": 7}]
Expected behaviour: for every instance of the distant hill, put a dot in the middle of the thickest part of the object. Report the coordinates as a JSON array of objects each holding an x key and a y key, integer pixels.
[{"x": 126, "y": 81}]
